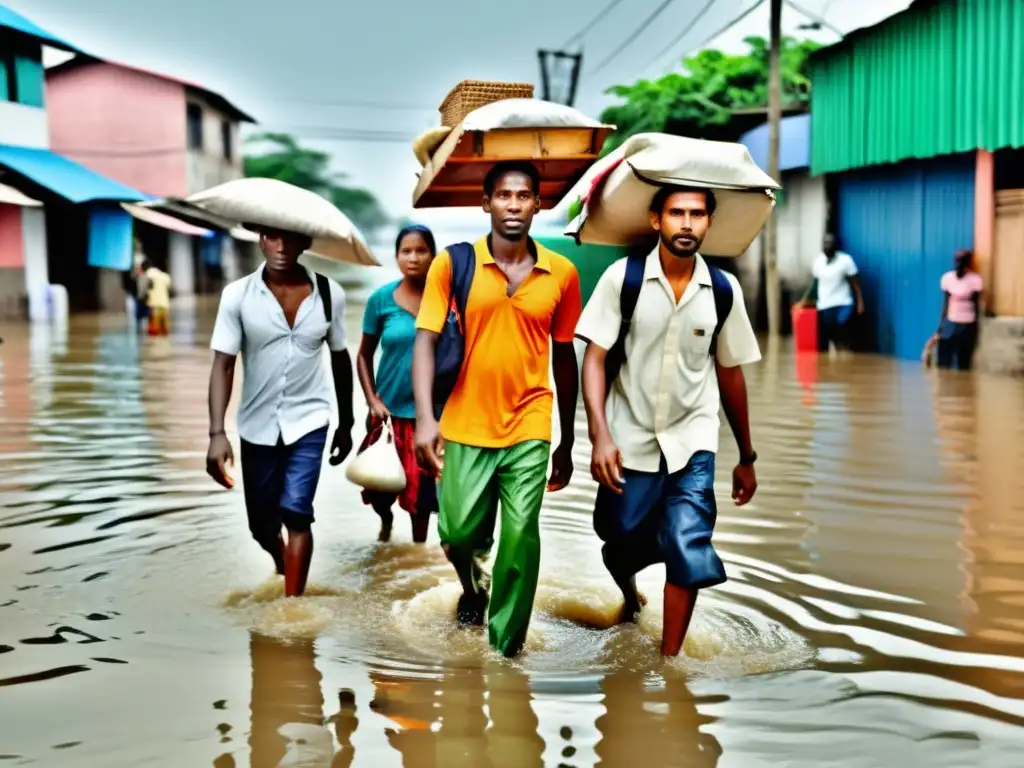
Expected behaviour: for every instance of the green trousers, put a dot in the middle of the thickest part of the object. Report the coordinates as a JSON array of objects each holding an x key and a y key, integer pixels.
[{"x": 473, "y": 483}]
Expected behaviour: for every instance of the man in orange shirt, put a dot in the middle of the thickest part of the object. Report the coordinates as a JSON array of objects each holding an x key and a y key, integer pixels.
[{"x": 495, "y": 430}]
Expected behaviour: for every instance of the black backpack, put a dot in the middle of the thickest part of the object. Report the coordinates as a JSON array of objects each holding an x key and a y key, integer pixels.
[
  {"x": 451, "y": 345},
  {"x": 630, "y": 294}
]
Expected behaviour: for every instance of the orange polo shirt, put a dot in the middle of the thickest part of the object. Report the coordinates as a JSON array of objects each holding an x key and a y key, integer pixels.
[{"x": 503, "y": 395}]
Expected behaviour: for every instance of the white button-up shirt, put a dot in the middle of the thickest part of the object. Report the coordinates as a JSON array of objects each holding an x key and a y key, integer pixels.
[
  {"x": 665, "y": 400},
  {"x": 285, "y": 387}
]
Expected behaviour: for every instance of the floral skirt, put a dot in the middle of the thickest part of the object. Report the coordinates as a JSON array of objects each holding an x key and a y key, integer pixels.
[{"x": 420, "y": 494}]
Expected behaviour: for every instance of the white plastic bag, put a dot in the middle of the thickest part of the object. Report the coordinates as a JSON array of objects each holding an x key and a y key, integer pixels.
[
  {"x": 526, "y": 113},
  {"x": 378, "y": 468}
]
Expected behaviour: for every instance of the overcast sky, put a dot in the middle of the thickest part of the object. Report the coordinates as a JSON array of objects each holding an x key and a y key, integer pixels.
[{"x": 300, "y": 64}]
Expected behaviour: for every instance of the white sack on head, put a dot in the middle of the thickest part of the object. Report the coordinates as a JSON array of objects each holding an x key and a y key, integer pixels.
[
  {"x": 278, "y": 205},
  {"x": 610, "y": 204},
  {"x": 526, "y": 113}
]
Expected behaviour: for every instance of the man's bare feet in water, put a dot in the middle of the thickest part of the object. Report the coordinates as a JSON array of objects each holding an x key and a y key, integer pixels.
[
  {"x": 633, "y": 602},
  {"x": 472, "y": 608}
]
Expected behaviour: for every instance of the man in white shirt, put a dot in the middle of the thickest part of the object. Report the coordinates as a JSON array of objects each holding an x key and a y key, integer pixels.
[
  {"x": 655, "y": 433},
  {"x": 279, "y": 318},
  {"x": 834, "y": 291}
]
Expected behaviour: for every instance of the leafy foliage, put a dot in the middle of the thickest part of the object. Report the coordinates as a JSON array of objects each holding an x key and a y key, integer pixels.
[
  {"x": 285, "y": 159},
  {"x": 699, "y": 101}
]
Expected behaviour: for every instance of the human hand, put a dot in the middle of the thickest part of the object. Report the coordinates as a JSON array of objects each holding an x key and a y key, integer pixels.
[
  {"x": 341, "y": 446},
  {"x": 744, "y": 483},
  {"x": 218, "y": 457},
  {"x": 606, "y": 463},
  {"x": 430, "y": 445},
  {"x": 561, "y": 467}
]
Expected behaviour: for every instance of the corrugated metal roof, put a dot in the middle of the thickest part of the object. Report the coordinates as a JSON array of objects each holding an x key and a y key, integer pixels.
[
  {"x": 72, "y": 181},
  {"x": 794, "y": 143},
  {"x": 938, "y": 79},
  {"x": 19, "y": 23}
]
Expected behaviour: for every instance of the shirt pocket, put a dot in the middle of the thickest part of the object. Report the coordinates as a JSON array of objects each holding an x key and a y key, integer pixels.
[{"x": 697, "y": 328}]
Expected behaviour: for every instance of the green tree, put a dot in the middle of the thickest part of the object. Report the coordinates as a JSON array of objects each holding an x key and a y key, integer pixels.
[
  {"x": 282, "y": 157},
  {"x": 700, "y": 101}
]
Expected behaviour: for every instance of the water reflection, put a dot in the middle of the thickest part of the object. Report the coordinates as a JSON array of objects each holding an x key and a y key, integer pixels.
[{"x": 874, "y": 613}]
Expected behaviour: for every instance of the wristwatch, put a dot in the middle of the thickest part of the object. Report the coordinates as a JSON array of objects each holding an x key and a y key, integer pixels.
[{"x": 748, "y": 461}]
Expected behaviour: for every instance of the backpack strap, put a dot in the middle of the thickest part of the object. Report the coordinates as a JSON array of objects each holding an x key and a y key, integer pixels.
[
  {"x": 323, "y": 287},
  {"x": 463, "y": 258},
  {"x": 723, "y": 293},
  {"x": 629, "y": 295}
]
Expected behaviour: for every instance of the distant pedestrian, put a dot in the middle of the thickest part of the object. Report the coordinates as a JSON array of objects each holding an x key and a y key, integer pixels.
[
  {"x": 390, "y": 322},
  {"x": 836, "y": 293},
  {"x": 278, "y": 319},
  {"x": 957, "y": 335},
  {"x": 158, "y": 298}
]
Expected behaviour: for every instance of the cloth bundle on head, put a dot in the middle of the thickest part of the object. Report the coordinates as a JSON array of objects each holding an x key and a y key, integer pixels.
[
  {"x": 610, "y": 205},
  {"x": 278, "y": 205}
]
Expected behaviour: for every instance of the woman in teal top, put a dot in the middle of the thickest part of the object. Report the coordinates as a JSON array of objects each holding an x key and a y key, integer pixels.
[{"x": 390, "y": 323}]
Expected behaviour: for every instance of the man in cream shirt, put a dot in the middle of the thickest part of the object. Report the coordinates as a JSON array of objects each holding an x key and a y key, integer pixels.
[{"x": 655, "y": 438}]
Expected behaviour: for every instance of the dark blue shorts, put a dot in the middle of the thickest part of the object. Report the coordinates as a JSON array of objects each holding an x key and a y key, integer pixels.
[
  {"x": 663, "y": 518},
  {"x": 280, "y": 483}
]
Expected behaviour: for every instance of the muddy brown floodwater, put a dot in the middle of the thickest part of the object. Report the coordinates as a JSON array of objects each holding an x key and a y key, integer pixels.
[{"x": 874, "y": 614}]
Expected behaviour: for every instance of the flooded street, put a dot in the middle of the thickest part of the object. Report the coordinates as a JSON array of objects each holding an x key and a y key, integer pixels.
[{"x": 874, "y": 614}]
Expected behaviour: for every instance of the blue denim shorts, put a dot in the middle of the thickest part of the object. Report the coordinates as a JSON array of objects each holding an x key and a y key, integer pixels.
[
  {"x": 663, "y": 518},
  {"x": 280, "y": 482}
]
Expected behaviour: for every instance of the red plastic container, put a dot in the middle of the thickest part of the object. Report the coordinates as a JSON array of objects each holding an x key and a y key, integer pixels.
[{"x": 805, "y": 328}]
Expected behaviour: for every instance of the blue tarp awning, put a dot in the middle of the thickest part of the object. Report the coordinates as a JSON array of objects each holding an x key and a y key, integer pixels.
[
  {"x": 794, "y": 143},
  {"x": 19, "y": 23},
  {"x": 64, "y": 177}
]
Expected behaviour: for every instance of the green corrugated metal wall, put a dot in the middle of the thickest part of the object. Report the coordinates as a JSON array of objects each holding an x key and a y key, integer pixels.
[{"x": 938, "y": 79}]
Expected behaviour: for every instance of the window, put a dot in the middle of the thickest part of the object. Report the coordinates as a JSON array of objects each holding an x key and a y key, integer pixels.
[
  {"x": 227, "y": 140},
  {"x": 195, "y": 126},
  {"x": 21, "y": 73}
]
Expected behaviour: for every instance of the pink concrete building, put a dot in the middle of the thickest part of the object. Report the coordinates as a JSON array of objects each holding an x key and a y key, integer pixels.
[{"x": 160, "y": 135}]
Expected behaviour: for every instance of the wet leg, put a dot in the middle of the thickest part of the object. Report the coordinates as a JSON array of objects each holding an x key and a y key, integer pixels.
[
  {"x": 420, "y": 525},
  {"x": 679, "y": 604},
  {"x": 468, "y": 513},
  {"x": 298, "y": 555},
  {"x": 387, "y": 518},
  {"x": 633, "y": 600},
  {"x": 522, "y": 478}
]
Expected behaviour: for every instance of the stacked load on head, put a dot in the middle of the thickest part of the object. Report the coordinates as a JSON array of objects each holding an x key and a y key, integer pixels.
[
  {"x": 610, "y": 204},
  {"x": 269, "y": 204},
  {"x": 486, "y": 123}
]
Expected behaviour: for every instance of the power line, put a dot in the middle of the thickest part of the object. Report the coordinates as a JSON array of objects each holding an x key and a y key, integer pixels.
[
  {"x": 578, "y": 37},
  {"x": 815, "y": 18},
  {"x": 723, "y": 30},
  {"x": 683, "y": 35},
  {"x": 630, "y": 40}
]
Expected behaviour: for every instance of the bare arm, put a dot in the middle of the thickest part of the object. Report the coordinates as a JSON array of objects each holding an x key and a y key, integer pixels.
[
  {"x": 219, "y": 455},
  {"x": 364, "y": 366},
  {"x": 567, "y": 386},
  {"x": 732, "y": 387},
  {"x": 605, "y": 459},
  {"x": 341, "y": 367},
  {"x": 222, "y": 380},
  {"x": 429, "y": 445},
  {"x": 858, "y": 295},
  {"x": 945, "y": 309}
]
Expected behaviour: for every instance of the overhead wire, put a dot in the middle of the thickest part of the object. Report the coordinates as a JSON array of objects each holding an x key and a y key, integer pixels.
[
  {"x": 684, "y": 34},
  {"x": 578, "y": 37},
  {"x": 632, "y": 38},
  {"x": 719, "y": 32}
]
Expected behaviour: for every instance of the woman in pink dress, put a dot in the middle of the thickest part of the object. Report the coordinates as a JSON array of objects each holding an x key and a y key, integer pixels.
[{"x": 961, "y": 309}]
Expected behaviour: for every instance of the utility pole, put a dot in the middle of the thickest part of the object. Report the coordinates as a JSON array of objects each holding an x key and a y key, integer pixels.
[
  {"x": 547, "y": 60},
  {"x": 772, "y": 286}
]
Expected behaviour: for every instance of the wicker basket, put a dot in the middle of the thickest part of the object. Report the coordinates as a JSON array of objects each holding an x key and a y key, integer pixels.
[{"x": 473, "y": 94}]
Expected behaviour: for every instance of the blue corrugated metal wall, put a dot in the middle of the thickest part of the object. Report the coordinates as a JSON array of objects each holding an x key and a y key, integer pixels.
[{"x": 902, "y": 224}]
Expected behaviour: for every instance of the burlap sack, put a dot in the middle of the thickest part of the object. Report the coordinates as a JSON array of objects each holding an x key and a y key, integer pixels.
[
  {"x": 610, "y": 204},
  {"x": 257, "y": 202}
]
